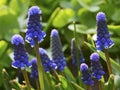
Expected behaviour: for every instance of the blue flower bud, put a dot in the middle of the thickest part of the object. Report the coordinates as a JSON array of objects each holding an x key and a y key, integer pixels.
[
  {"x": 34, "y": 70},
  {"x": 103, "y": 37},
  {"x": 86, "y": 77},
  {"x": 97, "y": 70},
  {"x": 47, "y": 63},
  {"x": 74, "y": 53},
  {"x": 20, "y": 54},
  {"x": 34, "y": 29},
  {"x": 57, "y": 54}
]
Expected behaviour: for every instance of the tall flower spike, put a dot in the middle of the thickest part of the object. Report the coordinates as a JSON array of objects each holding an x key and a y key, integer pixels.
[
  {"x": 47, "y": 63},
  {"x": 97, "y": 70},
  {"x": 20, "y": 54},
  {"x": 86, "y": 77},
  {"x": 57, "y": 54},
  {"x": 74, "y": 53},
  {"x": 34, "y": 28},
  {"x": 34, "y": 70},
  {"x": 103, "y": 38}
]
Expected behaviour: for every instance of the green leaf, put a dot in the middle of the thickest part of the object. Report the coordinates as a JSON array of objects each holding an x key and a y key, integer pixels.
[
  {"x": 117, "y": 82},
  {"x": 3, "y": 46},
  {"x": 91, "y": 5},
  {"x": 49, "y": 83},
  {"x": 64, "y": 82},
  {"x": 15, "y": 84},
  {"x": 83, "y": 13},
  {"x": 54, "y": 14},
  {"x": 80, "y": 28},
  {"x": 68, "y": 74},
  {"x": 8, "y": 23},
  {"x": 77, "y": 86},
  {"x": 107, "y": 9},
  {"x": 65, "y": 4},
  {"x": 19, "y": 6},
  {"x": 63, "y": 17},
  {"x": 6, "y": 79},
  {"x": 115, "y": 15},
  {"x": 110, "y": 83},
  {"x": 3, "y": 2},
  {"x": 114, "y": 28}
]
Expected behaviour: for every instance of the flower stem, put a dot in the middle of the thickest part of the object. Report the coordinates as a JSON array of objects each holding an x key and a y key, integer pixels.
[
  {"x": 40, "y": 70},
  {"x": 77, "y": 55},
  {"x": 26, "y": 79},
  {"x": 108, "y": 61},
  {"x": 99, "y": 85},
  {"x": 89, "y": 87},
  {"x": 76, "y": 44},
  {"x": 37, "y": 84},
  {"x": 56, "y": 74}
]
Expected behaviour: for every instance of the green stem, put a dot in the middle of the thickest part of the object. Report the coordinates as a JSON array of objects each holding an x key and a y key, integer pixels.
[
  {"x": 26, "y": 79},
  {"x": 56, "y": 74},
  {"x": 77, "y": 86},
  {"x": 40, "y": 70},
  {"x": 108, "y": 61},
  {"x": 76, "y": 46},
  {"x": 100, "y": 85},
  {"x": 37, "y": 84}
]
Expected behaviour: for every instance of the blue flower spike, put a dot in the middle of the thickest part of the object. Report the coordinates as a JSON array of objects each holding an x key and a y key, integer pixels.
[
  {"x": 57, "y": 53},
  {"x": 20, "y": 54},
  {"x": 34, "y": 70},
  {"x": 97, "y": 70},
  {"x": 74, "y": 53},
  {"x": 47, "y": 63},
  {"x": 103, "y": 37},
  {"x": 86, "y": 77},
  {"x": 34, "y": 28}
]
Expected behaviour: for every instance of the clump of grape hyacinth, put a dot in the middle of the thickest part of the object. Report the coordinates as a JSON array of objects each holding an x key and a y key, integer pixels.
[
  {"x": 20, "y": 54},
  {"x": 34, "y": 28},
  {"x": 97, "y": 70},
  {"x": 57, "y": 54},
  {"x": 103, "y": 37},
  {"x": 86, "y": 77},
  {"x": 74, "y": 53},
  {"x": 47, "y": 63},
  {"x": 34, "y": 70}
]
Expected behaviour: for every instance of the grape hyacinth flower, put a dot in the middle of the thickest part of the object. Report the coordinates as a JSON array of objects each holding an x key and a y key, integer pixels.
[
  {"x": 74, "y": 53},
  {"x": 97, "y": 70},
  {"x": 20, "y": 54},
  {"x": 103, "y": 37},
  {"x": 34, "y": 70},
  {"x": 47, "y": 63},
  {"x": 86, "y": 77},
  {"x": 57, "y": 54},
  {"x": 34, "y": 28}
]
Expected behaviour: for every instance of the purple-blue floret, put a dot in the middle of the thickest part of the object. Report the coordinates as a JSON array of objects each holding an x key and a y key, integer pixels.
[
  {"x": 34, "y": 69},
  {"x": 97, "y": 70},
  {"x": 86, "y": 77},
  {"x": 57, "y": 53},
  {"x": 103, "y": 40},
  {"x": 74, "y": 53},
  {"x": 20, "y": 54},
  {"x": 34, "y": 28},
  {"x": 47, "y": 63}
]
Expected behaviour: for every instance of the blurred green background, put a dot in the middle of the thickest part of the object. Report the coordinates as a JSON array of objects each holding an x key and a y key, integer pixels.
[{"x": 59, "y": 14}]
